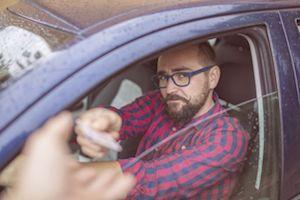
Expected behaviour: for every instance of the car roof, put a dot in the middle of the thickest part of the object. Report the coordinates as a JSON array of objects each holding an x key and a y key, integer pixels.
[{"x": 85, "y": 14}]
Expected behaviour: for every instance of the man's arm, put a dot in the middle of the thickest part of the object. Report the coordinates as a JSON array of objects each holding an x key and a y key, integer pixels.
[
  {"x": 137, "y": 116},
  {"x": 131, "y": 120}
]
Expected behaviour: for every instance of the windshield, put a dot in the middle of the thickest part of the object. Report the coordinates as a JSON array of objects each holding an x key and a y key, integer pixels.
[
  {"x": 24, "y": 41},
  {"x": 20, "y": 50}
]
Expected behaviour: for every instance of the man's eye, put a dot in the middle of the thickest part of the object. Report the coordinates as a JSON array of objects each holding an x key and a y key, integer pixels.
[
  {"x": 180, "y": 76},
  {"x": 162, "y": 77}
]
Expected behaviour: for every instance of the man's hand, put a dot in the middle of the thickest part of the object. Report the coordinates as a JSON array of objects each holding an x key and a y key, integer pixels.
[
  {"x": 100, "y": 120},
  {"x": 50, "y": 172}
]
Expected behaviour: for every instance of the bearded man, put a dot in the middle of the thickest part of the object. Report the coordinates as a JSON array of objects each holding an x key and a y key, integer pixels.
[{"x": 203, "y": 160}]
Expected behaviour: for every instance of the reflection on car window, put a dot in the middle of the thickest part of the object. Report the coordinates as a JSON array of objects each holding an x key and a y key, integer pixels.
[{"x": 20, "y": 50}]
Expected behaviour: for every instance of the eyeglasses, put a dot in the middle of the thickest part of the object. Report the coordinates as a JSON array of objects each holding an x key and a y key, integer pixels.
[{"x": 181, "y": 79}]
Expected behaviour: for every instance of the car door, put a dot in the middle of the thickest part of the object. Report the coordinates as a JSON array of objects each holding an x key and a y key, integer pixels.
[
  {"x": 271, "y": 68},
  {"x": 290, "y": 20}
]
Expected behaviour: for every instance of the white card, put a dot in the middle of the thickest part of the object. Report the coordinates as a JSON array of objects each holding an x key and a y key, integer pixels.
[{"x": 101, "y": 138}]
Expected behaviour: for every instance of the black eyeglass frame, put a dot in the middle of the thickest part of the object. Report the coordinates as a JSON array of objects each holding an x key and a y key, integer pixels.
[{"x": 187, "y": 74}]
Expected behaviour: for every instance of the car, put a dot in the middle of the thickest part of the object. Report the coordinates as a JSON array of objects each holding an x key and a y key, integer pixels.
[{"x": 60, "y": 55}]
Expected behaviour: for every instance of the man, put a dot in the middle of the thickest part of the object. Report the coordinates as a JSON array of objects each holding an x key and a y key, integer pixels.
[
  {"x": 49, "y": 172},
  {"x": 200, "y": 163}
]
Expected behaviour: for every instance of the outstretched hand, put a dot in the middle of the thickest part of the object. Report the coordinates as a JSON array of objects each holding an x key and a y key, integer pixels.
[{"x": 49, "y": 171}]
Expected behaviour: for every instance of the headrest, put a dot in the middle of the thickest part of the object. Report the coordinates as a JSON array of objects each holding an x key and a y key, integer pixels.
[{"x": 233, "y": 56}]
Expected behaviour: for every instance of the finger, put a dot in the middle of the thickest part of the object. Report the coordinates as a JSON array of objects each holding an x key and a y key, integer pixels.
[
  {"x": 89, "y": 116},
  {"x": 77, "y": 130},
  {"x": 85, "y": 142},
  {"x": 102, "y": 123},
  {"x": 59, "y": 126},
  {"x": 115, "y": 135},
  {"x": 92, "y": 154},
  {"x": 55, "y": 132},
  {"x": 115, "y": 119},
  {"x": 103, "y": 119}
]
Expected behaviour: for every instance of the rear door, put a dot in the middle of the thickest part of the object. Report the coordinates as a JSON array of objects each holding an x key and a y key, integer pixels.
[{"x": 291, "y": 24}]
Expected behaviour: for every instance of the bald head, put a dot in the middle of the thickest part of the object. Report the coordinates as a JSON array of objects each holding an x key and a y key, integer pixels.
[{"x": 202, "y": 53}]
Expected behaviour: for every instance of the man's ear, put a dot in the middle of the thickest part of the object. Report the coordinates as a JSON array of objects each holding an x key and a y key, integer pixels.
[{"x": 214, "y": 76}]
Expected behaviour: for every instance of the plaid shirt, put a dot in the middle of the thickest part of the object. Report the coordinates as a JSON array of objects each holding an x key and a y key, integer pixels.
[{"x": 202, "y": 163}]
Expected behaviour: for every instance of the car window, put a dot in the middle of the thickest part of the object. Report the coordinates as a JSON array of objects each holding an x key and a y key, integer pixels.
[{"x": 240, "y": 92}]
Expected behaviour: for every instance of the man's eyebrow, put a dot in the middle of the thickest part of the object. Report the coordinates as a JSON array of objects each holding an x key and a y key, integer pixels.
[{"x": 182, "y": 68}]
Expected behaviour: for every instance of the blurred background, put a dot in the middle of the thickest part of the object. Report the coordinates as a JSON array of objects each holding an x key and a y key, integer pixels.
[{"x": 5, "y": 3}]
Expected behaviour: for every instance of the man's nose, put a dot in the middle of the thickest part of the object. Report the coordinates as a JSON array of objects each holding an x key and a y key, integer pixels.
[{"x": 171, "y": 86}]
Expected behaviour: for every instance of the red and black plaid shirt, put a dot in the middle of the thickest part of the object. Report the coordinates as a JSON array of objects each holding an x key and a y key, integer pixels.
[{"x": 202, "y": 163}]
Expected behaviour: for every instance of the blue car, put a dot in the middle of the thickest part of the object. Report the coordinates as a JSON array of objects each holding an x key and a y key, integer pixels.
[{"x": 65, "y": 55}]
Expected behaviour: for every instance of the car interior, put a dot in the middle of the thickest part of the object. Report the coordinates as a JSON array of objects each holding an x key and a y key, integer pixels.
[{"x": 236, "y": 90}]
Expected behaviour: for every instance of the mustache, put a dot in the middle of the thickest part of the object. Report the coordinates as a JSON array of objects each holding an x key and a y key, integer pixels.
[{"x": 176, "y": 97}]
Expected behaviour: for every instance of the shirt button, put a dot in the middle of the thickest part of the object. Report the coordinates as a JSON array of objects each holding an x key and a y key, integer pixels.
[
  {"x": 183, "y": 147},
  {"x": 174, "y": 129}
]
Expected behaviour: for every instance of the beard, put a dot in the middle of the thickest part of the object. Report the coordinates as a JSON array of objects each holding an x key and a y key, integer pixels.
[{"x": 188, "y": 109}]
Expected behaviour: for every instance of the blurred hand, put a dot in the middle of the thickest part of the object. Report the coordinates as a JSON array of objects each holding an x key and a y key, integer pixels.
[
  {"x": 101, "y": 120},
  {"x": 49, "y": 171}
]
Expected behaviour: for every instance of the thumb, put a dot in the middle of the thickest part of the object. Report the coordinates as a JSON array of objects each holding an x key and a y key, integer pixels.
[
  {"x": 55, "y": 132},
  {"x": 59, "y": 127}
]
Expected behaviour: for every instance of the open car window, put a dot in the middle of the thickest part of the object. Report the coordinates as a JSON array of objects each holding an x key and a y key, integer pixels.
[
  {"x": 246, "y": 98},
  {"x": 241, "y": 93}
]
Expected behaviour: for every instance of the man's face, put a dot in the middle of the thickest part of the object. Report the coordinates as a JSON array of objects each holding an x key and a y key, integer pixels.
[{"x": 183, "y": 103}]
